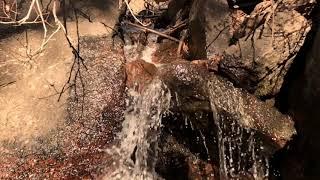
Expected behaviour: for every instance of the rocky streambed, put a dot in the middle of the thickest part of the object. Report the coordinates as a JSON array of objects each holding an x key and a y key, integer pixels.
[{"x": 205, "y": 90}]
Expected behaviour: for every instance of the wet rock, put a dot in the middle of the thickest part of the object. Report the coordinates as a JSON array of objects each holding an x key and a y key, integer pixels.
[
  {"x": 178, "y": 159},
  {"x": 97, "y": 99},
  {"x": 46, "y": 139},
  {"x": 188, "y": 80},
  {"x": 166, "y": 52},
  {"x": 96, "y": 110},
  {"x": 211, "y": 64},
  {"x": 139, "y": 74},
  {"x": 171, "y": 158},
  {"x": 252, "y": 113},
  {"x": 189, "y": 83},
  {"x": 222, "y": 125},
  {"x": 200, "y": 170}
]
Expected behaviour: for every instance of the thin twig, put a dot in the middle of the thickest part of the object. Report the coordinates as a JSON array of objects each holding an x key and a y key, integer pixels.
[
  {"x": 78, "y": 63},
  {"x": 154, "y": 31},
  {"x": 217, "y": 36},
  {"x": 42, "y": 17},
  {"x": 6, "y": 84},
  {"x": 84, "y": 15},
  {"x": 184, "y": 36},
  {"x": 272, "y": 29},
  {"x": 176, "y": 27},
  {"x": 134, "y": 16},
  {"x": 107, "y": 26}
]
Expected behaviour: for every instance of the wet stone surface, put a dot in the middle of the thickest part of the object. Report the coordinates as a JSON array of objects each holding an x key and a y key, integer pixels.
[
  {"x": 95, "y": 108},
  {"x": 193, "y": 88},
  {"x": 206, "y": 110}
]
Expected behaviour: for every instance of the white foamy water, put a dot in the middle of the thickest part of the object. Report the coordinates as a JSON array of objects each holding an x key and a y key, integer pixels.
[
  {"x": 148, "y": 52},
  {"x": 137, "y": 152}
]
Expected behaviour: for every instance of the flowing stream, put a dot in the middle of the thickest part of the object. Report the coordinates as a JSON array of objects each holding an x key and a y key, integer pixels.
[
  {"x": 240, "y": 153},
  {"x": 141, "y": 128},
  {"x": 239, "y": 150}
]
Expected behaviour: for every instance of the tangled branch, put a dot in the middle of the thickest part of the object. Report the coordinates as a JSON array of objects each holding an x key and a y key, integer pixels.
[{"x": 11, "y": 13}]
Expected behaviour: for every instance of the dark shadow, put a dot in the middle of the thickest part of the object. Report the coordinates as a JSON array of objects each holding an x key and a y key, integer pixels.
[
  {"x": 246, "y": 6},
  {"x": 300, "y": 159}
]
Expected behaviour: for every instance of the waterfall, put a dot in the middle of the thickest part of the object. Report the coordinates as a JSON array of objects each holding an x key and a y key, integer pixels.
[
  {"x": 137, "y": 152},
  {"x": 240, "y": 153}
]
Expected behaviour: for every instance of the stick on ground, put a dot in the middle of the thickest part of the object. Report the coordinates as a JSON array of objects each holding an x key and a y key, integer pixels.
[{"x": 153, "y": 31}]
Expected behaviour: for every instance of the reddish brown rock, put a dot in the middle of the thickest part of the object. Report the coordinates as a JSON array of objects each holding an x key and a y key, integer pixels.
[
  {"x": 198, "y": 170},
  {"x": 139, "y": 74},
  {"x": 211, "y": 64}
]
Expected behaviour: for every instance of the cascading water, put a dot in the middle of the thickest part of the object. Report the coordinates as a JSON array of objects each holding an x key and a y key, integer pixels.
[
  {"x": 240, "y": 153},
  {"x": 138, "y": 139}
]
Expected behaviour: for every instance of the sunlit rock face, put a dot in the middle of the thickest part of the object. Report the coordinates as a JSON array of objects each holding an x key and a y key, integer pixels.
[
  {"x": 29, "y": 106},
  {"x": 256, "y": 58},
  {"x": 91, "y": 116},
  {"x": 43, "y": 134},
  {"x": 96, "y": 108}
]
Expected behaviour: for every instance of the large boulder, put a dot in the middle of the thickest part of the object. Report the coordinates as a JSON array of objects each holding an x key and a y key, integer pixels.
[
  {"x": 261, "y": 58},
  {"x": 213, "y": 121},
  {"x": 194, "y": 88},
  {"x": 259, "y": 47}
]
